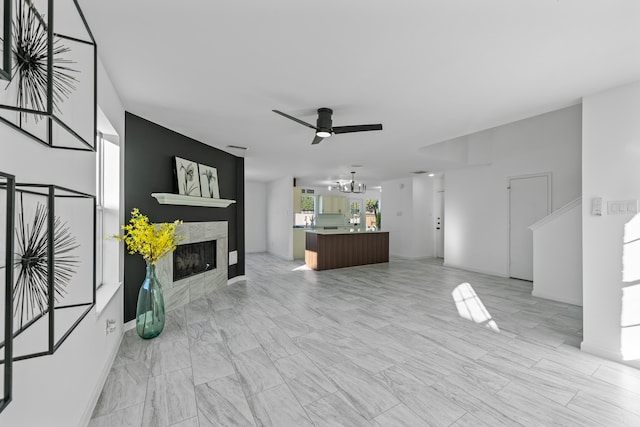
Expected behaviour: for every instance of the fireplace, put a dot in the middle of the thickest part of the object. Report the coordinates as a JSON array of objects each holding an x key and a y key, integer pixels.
[
  {"x": 194, "y": 258},
  {"x": 182, "y": 291}
]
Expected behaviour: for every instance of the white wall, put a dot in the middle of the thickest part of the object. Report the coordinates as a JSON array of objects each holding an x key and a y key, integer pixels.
[
  {"x": 407, "y": 214},
  {"x": 476, "y": 202},
  {"x": 557, "y": 255},
  {"x": 61, "y": 389},
  {"x": 610, "y": 169},
  {"x": 255, "y": 225},
  {"x": 110, "y": 102},
  {"x": 397, "y": 214},
  {"x": 280, "y": 217}
]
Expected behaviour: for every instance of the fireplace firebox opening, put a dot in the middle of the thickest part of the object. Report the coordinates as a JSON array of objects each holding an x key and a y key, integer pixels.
[{"x": 194, "y": 258}]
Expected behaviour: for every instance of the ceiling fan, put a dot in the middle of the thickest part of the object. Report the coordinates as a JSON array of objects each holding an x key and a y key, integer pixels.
[{"x": 324, "y": 126}]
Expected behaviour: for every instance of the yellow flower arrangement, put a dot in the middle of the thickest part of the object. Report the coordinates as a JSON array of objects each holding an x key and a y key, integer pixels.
[{"x": 152, "y": 241}]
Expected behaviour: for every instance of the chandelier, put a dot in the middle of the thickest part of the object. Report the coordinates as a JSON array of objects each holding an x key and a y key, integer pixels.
[{"x": 352, "y": 186}]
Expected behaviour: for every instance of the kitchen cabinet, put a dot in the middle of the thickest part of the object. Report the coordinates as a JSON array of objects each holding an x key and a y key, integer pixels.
[
  {"x": 334, "y": 204},
  {"x": 298, "y": 243}
]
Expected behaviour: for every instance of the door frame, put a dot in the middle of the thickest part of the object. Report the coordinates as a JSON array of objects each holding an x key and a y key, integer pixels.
[
  {"x": 549, "y": 176},
  {"x": 435, "y": 222}
]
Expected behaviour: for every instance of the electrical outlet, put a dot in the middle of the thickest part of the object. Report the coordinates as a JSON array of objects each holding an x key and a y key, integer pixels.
[
  {"x": 111, "y": 326},
  {"x": 233, "y": 257}
]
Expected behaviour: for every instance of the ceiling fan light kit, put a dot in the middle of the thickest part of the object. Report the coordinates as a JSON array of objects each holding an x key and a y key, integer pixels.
[{"x": 324, "y": 125}]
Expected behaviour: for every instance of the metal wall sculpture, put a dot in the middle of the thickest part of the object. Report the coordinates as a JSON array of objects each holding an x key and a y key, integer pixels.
[
  {"x": 51, "y": 95},
  {"x": 53, "y": 266},
  {"x": 5, "y": 40},
  {"x": 48, "y": 71},
  {"x": 7, "y": 191}
]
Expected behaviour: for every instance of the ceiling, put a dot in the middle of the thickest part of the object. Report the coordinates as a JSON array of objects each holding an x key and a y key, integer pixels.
[{"x": 429, "y": 71}]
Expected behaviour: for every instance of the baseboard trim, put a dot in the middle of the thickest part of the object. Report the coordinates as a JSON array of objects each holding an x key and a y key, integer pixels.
[
  {"x": 236, "y": 279},
  {"x": 601, "y": 352},
  {"x": 474, "y": 270},
  {"x": 410, "y": 258},
  {"x": 555, "y": 298},
  {"x": 86, "y": 416},
  {"x": 615, "y": 356},
  {"x": 131, "y": 324},
  {"x": 286, "y": 258}
]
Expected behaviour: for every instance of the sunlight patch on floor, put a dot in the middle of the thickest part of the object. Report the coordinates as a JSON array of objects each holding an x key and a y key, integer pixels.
[
  {"x": 302, "y": 268},
  {"x": 470, "y": 306}
]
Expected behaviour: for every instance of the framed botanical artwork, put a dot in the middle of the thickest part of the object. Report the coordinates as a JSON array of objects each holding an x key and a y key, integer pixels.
[
  {"x": 209, "y": 182},
  {"x": 187, "y": 177}
]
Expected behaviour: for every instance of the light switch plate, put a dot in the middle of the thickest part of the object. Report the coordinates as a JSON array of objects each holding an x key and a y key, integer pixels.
[
  {"x": 596, "y": 206},
  {"x": 617, "y": 207},
  {"x": 233, "y": 257}
]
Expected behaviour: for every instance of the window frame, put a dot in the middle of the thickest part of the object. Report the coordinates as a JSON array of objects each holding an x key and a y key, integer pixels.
[{"x": 105, "y": 247}]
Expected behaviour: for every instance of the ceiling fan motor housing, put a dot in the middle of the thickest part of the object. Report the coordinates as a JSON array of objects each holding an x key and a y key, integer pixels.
[
  {"x": 324, "y": 119},
  {"x": 324, "y": 126}
]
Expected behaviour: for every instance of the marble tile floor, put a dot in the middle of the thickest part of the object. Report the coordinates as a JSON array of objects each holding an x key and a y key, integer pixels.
[{"x": 377, "y": 345}]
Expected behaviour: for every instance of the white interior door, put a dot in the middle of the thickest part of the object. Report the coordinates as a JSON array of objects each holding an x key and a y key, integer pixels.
[
  {"x": 439, "y": 224},
  {"x": 529, "y": 202}
]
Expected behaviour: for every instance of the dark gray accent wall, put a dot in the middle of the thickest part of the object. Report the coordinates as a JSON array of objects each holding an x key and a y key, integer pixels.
[{"x": 149, "y": 152}]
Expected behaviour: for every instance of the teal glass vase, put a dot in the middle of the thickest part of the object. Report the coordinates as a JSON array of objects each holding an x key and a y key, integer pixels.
[{"x": 150, "y": 307}]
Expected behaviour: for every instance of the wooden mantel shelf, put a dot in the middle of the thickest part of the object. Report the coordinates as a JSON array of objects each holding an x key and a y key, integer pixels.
[{"x": 179, "y": 199}]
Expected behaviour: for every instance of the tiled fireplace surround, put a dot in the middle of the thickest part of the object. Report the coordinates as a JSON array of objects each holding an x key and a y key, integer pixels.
[{"x": 181, "y": 292}]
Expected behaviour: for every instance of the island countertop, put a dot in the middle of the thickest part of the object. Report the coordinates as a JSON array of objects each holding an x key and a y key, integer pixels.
[
  {"x": 355, "y": 231},
  {"x": 327, "y": 249}
]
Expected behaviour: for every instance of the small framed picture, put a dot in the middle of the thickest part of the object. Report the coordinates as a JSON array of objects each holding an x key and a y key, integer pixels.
[
  {"x": 187, "y": 177},
  {"x": 209, "y": 181}
]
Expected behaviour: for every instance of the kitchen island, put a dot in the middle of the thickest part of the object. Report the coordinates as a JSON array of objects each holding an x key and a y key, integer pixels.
[{"x": 327, "y": 249}]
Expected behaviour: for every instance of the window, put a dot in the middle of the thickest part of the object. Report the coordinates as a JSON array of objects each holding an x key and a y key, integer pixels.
[
  {"x": 308, "y": 203},
  {"x": 355, "y": 207},
  {"x": 305, "y": 212},
  {"x": 107, "y": 208},
  {"x": 373, "y": 209}
]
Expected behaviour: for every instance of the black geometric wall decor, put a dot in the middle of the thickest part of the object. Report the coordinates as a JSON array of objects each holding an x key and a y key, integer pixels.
[
  {"x": 7, "y": 194},
  {"x": 53, "y": 266},
  {"x": 51, "y": 95},
  {"x": 5, "y": 40}
]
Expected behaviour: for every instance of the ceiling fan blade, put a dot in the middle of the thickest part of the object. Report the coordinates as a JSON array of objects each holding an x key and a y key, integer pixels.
[
  {"x": 294, "y": 119},
  {"x": 317, "y": 139},
  {"x": 356, "y": 128}
]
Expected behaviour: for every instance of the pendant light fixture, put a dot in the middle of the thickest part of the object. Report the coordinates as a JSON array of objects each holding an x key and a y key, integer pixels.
[{"x": 353, "y": 186}]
